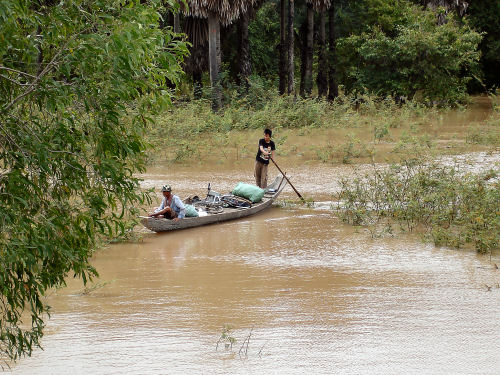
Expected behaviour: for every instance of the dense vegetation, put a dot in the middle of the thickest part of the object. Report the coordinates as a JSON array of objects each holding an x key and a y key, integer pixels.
[
  {"x": 415, "y": 56},
  {"x": 422, "y": 50},
  {"x": 348, "y": 130},
  {"x": 78, "y": 82}
]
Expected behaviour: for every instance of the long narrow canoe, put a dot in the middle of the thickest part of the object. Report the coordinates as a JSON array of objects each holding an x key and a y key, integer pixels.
[{"x": 163, "y": 225}]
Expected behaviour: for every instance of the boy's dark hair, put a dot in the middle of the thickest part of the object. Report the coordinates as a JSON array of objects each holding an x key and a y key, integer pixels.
[{"x": 268, "y": 131}]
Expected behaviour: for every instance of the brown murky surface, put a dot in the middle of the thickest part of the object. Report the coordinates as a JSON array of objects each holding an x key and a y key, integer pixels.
[{"x": 316, "y": 296}]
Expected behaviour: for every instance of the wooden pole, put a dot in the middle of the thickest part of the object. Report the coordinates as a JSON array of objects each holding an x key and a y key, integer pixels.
[{"x": 286, "y": 178}]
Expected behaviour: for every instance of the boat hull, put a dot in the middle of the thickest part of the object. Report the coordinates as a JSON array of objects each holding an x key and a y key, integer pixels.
[{"x": 164, "y": 225}]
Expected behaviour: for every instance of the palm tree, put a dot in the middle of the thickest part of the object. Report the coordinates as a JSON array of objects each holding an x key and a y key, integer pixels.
[
  {"x": 308, "y": 46},
  {"x": 333, "y": 88},
  {"x": 321, "y": 79},
  {"x": 282, "y": 68},
  {"x": 197, "y": 62},
  {"x": 244, "y": 59},
  {"x": 306, "y": 81},
  {"x": 217, "y": 12},
  {"x": 290, "y": 48}
]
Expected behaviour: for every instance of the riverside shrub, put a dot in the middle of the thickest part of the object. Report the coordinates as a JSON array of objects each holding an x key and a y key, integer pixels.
[{"x": 452, "y": 207}]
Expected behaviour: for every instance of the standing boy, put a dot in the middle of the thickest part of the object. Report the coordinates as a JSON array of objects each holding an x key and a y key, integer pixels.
[{"x": 266, "y": 150}]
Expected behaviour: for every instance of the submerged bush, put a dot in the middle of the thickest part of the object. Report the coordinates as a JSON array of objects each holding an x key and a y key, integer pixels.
[{"x": 453, "y": 208}]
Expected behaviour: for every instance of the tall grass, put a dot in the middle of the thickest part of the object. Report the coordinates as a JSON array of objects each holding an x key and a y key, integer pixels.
[
  {"x": 190, "y": 128},
  {"x": 452, "y": 208}
]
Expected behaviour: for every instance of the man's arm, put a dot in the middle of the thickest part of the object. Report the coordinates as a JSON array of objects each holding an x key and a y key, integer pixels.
[
  {"x": 158, "y": 210},
  {"x": 162, "y": 205},
  {"x": 261, "y": 147}
]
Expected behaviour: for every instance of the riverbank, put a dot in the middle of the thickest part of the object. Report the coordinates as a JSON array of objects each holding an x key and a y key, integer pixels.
[{"x": 310, "y": 130}]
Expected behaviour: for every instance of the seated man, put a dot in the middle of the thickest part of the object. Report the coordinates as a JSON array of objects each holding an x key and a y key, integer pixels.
[{"x": 171, "y": 206}]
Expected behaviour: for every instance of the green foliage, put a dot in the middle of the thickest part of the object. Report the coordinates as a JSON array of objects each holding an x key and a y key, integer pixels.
[
  {"x": 485, "y": 134},
  {"x": 77, "y": 82},
  {"x": 453, "y": 207},
  {"x": 226, "y": 337},
  {"x": 357, "y": 16},
  {"x": 417, "y": 58},
  {"x": 263, "y": 33}
]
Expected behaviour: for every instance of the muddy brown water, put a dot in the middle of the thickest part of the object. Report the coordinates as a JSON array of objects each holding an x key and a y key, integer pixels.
[{"x": 314, "y": 296}]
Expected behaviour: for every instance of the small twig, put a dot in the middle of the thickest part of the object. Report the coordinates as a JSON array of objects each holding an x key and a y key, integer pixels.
[
  {"x": 260, "y": 351},
  {"x": 12, "y": 141},
  {"x": 17, "y": 71},
  {"x": 247, "y": 341},
  {"x": 53, "y": 63},
  {"x": 14, "y": 81}
]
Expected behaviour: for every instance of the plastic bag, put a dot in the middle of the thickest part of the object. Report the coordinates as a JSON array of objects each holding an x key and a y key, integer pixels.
[
  {"x": 191, "y": 211},
  {"x": 252, "y": 192}
]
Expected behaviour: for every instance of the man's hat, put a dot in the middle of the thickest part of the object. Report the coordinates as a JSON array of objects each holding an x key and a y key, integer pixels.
[{"x": 166, "y": 188}]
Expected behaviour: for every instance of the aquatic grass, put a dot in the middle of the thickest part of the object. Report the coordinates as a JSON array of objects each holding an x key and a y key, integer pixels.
[
  {"x": 351, "y": 148},
  {"x": 95, "y": 286},
  {"x": 486, "y": 133},
  {"x": 452, "y": 208},
  {"x": 226, "y": 337}
]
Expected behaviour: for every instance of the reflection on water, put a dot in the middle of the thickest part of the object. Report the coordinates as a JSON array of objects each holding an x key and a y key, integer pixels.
[{"x": 319, "y": 297}]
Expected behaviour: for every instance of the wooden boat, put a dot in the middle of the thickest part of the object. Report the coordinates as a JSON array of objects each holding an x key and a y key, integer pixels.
[{"x": 229, "y": 213}]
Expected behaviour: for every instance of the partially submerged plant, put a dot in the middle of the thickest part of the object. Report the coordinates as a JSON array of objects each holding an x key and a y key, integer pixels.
[
  {"x": 451, "y": 207},
  {"x": 95, "y": 286},
  {"x": 226, "y": 337}
]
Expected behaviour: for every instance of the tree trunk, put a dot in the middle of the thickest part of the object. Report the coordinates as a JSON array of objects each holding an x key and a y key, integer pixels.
[
  {"x": 308, "y": 80},
  {"x": 459, "y": 5},
  {"x": 333, "y": 88},
  {"x": 245, "y": 63},
  {"x": 177, "y": 23},
  {"x": 321, "y": 79},
  {"x": 219, "y": 50},
  {"x": 290, "y": 40},
  {"x": 282, "y": 49},
  {"x": 197, "y": 85},
  {"x": 213, "y": 57},
  {"x": 303, "y": 55}
]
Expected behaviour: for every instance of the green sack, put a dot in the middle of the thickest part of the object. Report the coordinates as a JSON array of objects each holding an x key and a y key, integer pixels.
[
  {"x": 191, "y": 211},
  {"x": 252, "y": 192}
]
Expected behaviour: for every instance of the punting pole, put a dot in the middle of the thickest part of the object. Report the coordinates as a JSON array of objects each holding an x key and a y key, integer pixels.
[{"x": 284, "y": 175}]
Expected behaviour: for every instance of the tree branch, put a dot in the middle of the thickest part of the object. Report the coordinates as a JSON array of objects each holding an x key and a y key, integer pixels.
[
  {"x": 45, "y": 70},
  {"x": 14, "y": 81},
  {"x": 17, "y": 71}
]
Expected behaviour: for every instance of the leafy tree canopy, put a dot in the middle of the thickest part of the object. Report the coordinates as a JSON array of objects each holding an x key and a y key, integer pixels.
[
  {"x": 357, "y": 16},
  {"x": 77, "y": 81},
  {"x": 418, "y": 56},
  {"x": 264, "y": 33}
]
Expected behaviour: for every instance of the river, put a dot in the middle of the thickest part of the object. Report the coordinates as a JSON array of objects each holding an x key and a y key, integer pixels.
[{"x": 301, "y": 293}]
